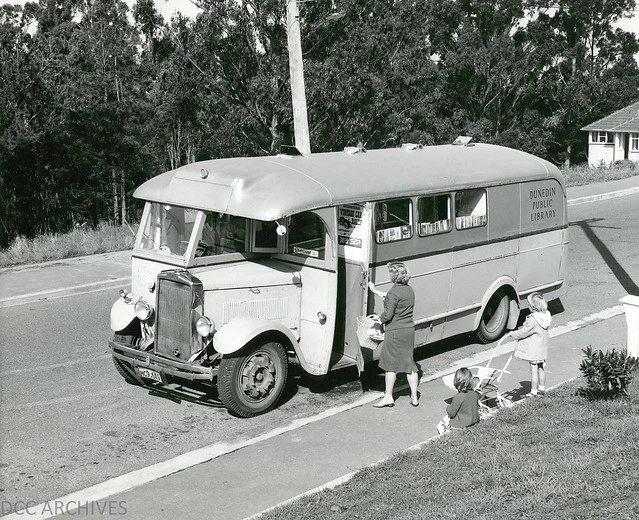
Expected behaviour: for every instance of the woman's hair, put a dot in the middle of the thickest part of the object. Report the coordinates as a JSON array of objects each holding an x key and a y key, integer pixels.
[
  {"x": 399, "y": 273},
  {"x": 537, "y": 302},
  {"x": 463, "y": 380}
]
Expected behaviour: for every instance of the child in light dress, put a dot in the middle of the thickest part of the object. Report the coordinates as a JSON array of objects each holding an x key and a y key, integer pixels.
[{"x": 532, "y": 342}]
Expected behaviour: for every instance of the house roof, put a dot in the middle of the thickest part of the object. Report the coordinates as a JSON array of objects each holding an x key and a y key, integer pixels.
[
  {"x": 624, "y": 120},
  {"x": 267, "y": 188}
]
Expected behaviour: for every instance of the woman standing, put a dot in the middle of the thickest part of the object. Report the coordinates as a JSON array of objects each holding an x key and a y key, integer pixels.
[{"x": 399, "y": 335}]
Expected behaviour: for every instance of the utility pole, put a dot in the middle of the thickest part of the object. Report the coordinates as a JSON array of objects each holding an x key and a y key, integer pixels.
[{"x": 296, "y": 68}]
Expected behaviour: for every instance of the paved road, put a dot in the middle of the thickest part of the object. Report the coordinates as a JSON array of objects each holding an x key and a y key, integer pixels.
[{"x": 86, "y": 391}]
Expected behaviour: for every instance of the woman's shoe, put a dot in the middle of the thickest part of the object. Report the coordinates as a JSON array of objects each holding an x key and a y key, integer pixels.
[
  {"x": 384, "y": 404},
  {"x": 414, "y": 403}
]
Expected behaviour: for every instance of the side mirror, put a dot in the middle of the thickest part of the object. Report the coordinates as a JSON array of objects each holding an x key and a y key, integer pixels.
[{"x": 280, "y": 230}]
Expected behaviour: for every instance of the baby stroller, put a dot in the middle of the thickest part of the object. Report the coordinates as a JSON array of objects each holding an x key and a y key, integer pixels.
[{"x": 487, "y": 381}]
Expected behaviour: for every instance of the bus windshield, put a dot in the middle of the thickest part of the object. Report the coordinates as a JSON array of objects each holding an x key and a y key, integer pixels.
[{"x": 169, "y": 229}]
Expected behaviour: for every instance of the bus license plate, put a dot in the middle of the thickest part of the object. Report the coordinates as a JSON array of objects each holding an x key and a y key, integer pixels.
[{"x": 150, "y": 374}]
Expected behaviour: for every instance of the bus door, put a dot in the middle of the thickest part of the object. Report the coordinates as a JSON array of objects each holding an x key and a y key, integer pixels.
[
  {"x": 354, "y": 243},
  {"x": 312, "y": 239}
]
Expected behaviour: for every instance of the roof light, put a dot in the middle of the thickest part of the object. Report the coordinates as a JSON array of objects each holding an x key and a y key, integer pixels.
[
  {"x": 204, "y": 173},
  {"x": 462, "y": 140}
]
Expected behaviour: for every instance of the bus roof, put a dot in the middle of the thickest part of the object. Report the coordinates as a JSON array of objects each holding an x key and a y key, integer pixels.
[{"x": 272, "y": 187}]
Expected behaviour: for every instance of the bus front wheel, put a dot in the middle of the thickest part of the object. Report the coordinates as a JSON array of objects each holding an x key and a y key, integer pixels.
[
  {"x": 495, "y": 318},
  {"x": 251, "y": 384}
]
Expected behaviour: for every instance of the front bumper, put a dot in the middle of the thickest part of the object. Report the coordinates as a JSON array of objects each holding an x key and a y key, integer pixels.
[{"x": 180, "y": 369}]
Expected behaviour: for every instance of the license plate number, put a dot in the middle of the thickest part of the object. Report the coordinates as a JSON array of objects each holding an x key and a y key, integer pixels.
[{"x": 150, "y": 374}]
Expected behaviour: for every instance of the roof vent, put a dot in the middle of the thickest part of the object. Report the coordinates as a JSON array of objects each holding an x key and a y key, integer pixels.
[
  {"x": 412, "y": 146},
  {"x": 351, "y": 150},
  {"x": 462, "y": 140}
]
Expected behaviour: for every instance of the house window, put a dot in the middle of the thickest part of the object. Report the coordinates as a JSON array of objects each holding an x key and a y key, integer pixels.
[
  {"x": 470, "y": 209},
  {"x": 634, "y": 142},
  {"x": 603, "y": 137},
  {"x": 393, "y": 220},
  {"x": 434, "y": 215}
]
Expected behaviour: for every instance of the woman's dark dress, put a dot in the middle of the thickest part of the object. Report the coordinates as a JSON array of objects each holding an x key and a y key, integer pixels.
[{"x": 399, "y": 335}]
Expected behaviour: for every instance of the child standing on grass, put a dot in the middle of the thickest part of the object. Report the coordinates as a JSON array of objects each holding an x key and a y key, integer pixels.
[
  {"x": 463, "y": 411},
  {"x": 532, "y": 342}
]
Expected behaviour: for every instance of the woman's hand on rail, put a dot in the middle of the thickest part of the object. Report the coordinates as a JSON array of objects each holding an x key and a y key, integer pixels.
[{"x": 371, "y": 287}]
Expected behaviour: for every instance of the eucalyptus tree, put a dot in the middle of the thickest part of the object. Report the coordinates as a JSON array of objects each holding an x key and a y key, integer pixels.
[{"x": 585, "y": 66}]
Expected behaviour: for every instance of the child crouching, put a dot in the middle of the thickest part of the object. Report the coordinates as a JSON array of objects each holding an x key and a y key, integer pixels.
[{"x": 463, "y": 411}]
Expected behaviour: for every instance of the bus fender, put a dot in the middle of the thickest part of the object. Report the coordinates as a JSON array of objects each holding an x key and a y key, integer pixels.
[
  {"x": 508, "y": 284},
  {"x": 122, "y": 315},
  {"x": 238, "y": 332}
]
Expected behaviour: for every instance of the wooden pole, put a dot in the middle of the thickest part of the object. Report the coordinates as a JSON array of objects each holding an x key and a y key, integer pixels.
[{"x": 296, "y": 67}]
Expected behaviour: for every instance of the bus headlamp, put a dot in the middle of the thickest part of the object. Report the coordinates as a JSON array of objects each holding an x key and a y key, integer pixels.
[
  {"x": 143, "y": 310},
  {"x": 204, "y": 326}
]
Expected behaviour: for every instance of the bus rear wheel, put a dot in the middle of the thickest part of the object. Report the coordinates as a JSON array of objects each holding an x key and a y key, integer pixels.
[
  {"x": 495, "y": 318},
  {"x": 251, "y": 384}
]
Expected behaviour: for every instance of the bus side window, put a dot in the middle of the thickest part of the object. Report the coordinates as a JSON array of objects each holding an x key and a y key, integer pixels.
[
  {"x": 470, "y": 208},
  {"x": 306, "y": 235},
  {"x": 434, "y": 215},
  {"x": 393, "y": 220}
]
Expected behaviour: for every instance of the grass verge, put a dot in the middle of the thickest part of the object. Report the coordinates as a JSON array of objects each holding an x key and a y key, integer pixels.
[
  {"x": 583, "y": 174},
  {"x": 79, "y": 242},
  {"x": 554, "y": 457}
]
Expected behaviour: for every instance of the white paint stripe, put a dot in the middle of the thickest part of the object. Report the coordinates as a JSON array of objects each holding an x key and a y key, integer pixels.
[
  {"x": 56, "y": 365},
  {"x": 59, "y": 293},
  {"x": 603, "y": 196},
  {"x": 162, "y": 469}
]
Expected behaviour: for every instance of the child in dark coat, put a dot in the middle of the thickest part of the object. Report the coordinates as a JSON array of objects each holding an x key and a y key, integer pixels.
[{"x": 463, "y": 411}]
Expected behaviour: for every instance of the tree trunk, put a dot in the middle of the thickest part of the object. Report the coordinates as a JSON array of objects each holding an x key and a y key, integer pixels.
[
  {"x": 115, "y": 195},
  {"x": 123, "y": 197},
  {"x": 567, "y": 158}
]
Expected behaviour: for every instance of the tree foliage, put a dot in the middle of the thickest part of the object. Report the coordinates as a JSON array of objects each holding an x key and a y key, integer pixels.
[{"x": 97, "y": 98}]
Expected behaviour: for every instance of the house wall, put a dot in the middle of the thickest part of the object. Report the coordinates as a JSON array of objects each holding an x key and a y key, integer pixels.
[
  {"x": 600, "y": 153},
  {"x": 608, "y": 153}
]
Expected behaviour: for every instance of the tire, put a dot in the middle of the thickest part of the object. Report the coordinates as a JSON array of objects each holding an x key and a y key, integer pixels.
[
  {"x": 251, "y": 384},
  {"x": 495, "y": 318},
  {"x": 126, "y": 371}
]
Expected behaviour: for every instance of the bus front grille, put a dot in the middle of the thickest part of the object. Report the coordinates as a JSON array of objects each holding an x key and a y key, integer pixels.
[{"x": 173, "y": 321}]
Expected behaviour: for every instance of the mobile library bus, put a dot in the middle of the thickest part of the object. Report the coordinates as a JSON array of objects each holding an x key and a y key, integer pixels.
[{"x": 242, "y": 266}]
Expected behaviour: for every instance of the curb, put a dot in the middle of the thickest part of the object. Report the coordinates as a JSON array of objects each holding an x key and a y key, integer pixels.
[
  {"x": 603, "y": 196},
  {"x": 61, "y": 293}
]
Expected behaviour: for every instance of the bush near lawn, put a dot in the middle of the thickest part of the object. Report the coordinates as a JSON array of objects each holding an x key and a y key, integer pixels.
[
  {"x": 108, "y": 238},
  {"x": 555, "y": 457}
]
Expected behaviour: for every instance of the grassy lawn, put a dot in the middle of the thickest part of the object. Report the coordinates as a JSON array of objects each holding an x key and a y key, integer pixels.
[
  {"x": 554, "y": 457},
  {"x": 107, "y": 238}
]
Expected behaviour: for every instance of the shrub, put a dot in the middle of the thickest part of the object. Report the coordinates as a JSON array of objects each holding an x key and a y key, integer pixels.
[{"x": 608, "y": 374}]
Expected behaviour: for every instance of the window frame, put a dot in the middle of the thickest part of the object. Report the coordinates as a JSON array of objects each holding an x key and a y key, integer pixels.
[
  {"x": 634, "y": 141},
  {"x": 449, "y": 220},
  {"x": 485, "y": 215},
  {"x": 411, "y": 223}
]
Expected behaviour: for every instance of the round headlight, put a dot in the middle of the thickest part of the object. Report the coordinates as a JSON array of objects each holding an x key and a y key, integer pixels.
[
  {"x": 204, "y": 326},
  {"x": 143, "y": 310}
]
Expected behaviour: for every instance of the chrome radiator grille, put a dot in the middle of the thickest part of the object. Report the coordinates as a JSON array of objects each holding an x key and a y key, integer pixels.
[{"x": 173, "y": 321}]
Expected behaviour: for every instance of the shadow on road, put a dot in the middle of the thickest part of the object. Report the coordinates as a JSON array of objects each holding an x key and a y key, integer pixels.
[{"x": 617, "y": 269}]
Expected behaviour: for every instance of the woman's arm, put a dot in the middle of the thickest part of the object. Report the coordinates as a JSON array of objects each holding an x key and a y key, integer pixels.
[
  {"x": 390, "y": 304},
  {"x": 377, "y": 292}
]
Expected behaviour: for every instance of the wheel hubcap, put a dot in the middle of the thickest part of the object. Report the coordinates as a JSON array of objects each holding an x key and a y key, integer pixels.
[{"x": 258, "y": 376}]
